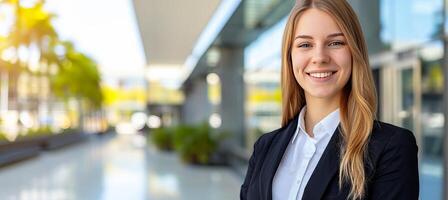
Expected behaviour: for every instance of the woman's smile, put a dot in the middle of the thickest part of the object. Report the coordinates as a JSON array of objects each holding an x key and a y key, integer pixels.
[{"x": 321, "y": 76}]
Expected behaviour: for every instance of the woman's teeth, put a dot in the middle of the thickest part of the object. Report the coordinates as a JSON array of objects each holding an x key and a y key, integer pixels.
[{"x": 321, "y": 75}]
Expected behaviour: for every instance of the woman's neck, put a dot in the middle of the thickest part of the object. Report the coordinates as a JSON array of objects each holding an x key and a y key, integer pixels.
[{"x": 317, "y": 109}]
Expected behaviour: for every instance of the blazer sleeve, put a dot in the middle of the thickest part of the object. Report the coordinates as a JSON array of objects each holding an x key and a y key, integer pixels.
[
  {"x": 396, "y": 175},
  {"x": 249, "y": 173}
]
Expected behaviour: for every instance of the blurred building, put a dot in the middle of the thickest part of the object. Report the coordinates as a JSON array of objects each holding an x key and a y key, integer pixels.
[{"x": 229, "y": 55}]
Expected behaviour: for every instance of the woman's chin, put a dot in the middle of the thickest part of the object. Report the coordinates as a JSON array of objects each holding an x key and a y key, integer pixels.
[{"x": 322, "y": 95}]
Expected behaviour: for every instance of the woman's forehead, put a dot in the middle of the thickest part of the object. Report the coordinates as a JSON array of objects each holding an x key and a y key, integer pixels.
[{"x": 314, "y": 22}]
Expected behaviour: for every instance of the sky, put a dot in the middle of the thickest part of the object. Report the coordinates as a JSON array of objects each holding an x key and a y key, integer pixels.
[{"x": 107, "y": 31}]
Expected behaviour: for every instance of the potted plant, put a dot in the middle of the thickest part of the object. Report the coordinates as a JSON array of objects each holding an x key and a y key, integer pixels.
[
  {"x": 163, "y": 138},
  {"x": 197, "y": 144}
]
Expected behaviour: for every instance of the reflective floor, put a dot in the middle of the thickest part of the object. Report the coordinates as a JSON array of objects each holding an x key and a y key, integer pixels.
[{"x": 121, "y": 167}]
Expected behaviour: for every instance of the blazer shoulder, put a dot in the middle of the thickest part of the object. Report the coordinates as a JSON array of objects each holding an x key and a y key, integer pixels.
[
  {"x": 387, "y": 132},
  {"x": 266, "y": 138},
  {"x": 387, "y": 136}
]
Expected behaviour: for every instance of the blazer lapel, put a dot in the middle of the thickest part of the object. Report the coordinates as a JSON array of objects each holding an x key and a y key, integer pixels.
[
  {"x": 326, "y": 168},
  {"x": 274, "y": 157}
]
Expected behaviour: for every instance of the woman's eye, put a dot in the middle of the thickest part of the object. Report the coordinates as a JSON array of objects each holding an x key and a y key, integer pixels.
[
  {"x": 336, "y": 43},
  {"x": 304, "y": 45}
]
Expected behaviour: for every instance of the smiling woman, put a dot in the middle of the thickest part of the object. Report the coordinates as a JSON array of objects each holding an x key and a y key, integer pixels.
[
  {"x": 321, "y": 58},
  {"x": 330, "y": 146}
]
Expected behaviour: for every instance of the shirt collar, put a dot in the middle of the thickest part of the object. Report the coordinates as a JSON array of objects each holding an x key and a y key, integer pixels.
[{"x": 327, "y": 125}]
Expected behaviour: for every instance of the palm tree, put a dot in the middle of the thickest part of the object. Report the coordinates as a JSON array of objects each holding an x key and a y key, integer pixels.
[
  {"x": 72, "y": 74},
  {"x": 32, "y": 26},
  {"x": 78, "y": 77}
]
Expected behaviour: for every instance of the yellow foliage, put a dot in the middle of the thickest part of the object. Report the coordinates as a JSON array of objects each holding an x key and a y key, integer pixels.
[
  {"x": 115, "y": 95},
  {"x": 259, "y": 95},
  {"x": 157, "y": 93}
]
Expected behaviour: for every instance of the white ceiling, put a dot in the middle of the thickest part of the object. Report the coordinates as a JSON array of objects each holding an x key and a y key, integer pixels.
[{"x": 170, "y": 28}]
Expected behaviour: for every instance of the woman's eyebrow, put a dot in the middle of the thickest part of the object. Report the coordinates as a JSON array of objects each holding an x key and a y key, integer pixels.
[
  {"x": 310, "y": 37},
  {"x": 335, "y": 35},
  {"x": 303, "y": 36}
]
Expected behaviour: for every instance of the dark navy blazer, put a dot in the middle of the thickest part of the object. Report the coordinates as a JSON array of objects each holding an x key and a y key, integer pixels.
[{"x": 391, "y": 166}]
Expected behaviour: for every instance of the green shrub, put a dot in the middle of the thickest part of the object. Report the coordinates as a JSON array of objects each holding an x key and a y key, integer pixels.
[
  {"x": 30, "y": 133},
  {"x": 181, "y": 134},
  {"x": 195, "y": 144},
  {"x": 3, "y": 137},
  {"x": 163, "y": 138},
  {"x": 68, "y": 131},
  {"x": 41, "y": 131}
]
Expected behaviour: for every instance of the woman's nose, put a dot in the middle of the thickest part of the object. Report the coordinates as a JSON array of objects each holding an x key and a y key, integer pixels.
[{"x": 320, "y": 56}]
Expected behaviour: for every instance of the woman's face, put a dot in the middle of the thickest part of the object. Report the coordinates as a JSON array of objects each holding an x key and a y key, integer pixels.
[{"x": 320, "y": 56}]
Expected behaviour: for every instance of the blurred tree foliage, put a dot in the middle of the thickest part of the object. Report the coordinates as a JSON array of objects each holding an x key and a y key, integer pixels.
[
  {"x": 78, "y": 77},
  {"x": 72, "y": 73}
]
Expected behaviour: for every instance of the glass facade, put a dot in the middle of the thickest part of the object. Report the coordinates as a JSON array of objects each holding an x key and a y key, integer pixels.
[
  {"x": 262, "y": 79},
  {"x": 406, "y": 23},
  {"x": 432, "y": 120}
]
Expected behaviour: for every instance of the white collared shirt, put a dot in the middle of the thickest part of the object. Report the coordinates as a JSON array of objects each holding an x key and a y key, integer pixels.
[{"x": 301, "y": 157}]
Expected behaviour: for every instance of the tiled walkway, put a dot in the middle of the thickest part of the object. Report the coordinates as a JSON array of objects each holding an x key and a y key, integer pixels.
[{"x": 121, "y": 168}]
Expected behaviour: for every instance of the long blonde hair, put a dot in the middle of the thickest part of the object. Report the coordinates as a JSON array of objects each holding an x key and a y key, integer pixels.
[{"x": 358, "y": 102}]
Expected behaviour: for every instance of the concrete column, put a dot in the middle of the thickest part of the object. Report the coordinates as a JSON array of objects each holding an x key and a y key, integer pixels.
[
  {"x": 197, "y": 107},
  {"x": 231, "y": 71},
  {"x": 445, "y": 106},
  {"x": 369, "y": 16}
]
